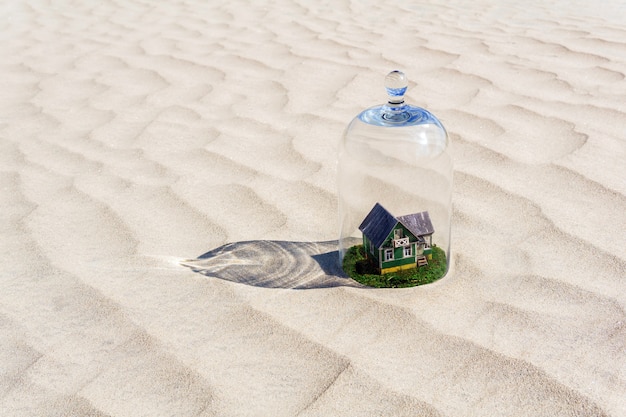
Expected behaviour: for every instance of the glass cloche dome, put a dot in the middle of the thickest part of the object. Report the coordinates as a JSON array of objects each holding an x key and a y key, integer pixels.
[{"x": 395, "y": 186}]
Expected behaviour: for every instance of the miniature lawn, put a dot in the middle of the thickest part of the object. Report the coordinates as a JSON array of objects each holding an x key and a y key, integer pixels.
[{"x": 362, "y": 270}]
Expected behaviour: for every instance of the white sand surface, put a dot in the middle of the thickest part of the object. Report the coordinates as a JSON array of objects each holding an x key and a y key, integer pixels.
[{"x": 137, "y": 136}]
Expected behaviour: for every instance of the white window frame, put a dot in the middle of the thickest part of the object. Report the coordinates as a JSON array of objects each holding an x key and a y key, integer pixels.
[
  {"x": 388, "y": 255},
  {"x": 408, "y": 251}
]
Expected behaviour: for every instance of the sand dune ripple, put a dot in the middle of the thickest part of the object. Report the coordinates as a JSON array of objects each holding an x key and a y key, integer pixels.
[{"x": 136, "y": 135}]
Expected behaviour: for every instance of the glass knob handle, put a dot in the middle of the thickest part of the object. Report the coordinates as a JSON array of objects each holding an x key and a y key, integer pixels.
[{"x": 396, "y": 84}]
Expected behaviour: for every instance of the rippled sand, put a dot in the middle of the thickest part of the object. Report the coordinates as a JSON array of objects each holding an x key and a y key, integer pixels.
[{"x": 168, "y": 205}]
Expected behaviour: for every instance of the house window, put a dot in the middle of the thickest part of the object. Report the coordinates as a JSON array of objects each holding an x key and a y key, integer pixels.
[
  {"x": 371, "y": 247},
  {"x": 408, "y": 251},
  {"x": 388, "y": 254},
  {"x": 397, "y": 234}
]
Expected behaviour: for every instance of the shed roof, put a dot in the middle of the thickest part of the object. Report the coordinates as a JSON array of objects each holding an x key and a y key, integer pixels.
[
  {"x": 418, "y": 223},
  {"x": 378, "y": 224}
]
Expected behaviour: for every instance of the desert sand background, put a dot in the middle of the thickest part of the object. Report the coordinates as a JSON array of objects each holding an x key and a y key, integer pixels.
[{"x": 138, "y": 136}]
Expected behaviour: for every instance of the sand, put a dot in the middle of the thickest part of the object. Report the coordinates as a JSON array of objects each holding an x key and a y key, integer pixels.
[{"x": 168, "y": 210}]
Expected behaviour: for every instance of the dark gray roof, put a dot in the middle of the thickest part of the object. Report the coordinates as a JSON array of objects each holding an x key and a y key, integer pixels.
[
  {"x": 419, "y": 223},
  {"x": 377, "y": 225}
]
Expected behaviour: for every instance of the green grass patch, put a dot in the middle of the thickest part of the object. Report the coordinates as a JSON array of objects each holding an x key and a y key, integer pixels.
[{"x": 362, "y": 270}]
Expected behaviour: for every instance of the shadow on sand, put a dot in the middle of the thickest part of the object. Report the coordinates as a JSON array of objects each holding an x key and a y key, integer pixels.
[{"x": 275, "y": 264}]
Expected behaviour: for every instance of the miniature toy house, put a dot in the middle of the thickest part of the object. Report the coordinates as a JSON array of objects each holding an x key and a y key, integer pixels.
[{"x": 395, "y": 243}]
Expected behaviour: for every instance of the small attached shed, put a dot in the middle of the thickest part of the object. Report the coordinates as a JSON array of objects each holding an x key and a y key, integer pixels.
[{"x": 395, "y": 243}]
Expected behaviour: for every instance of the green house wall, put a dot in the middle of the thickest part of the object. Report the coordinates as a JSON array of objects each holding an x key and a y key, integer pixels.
[{"x": 399, "y": 259}]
